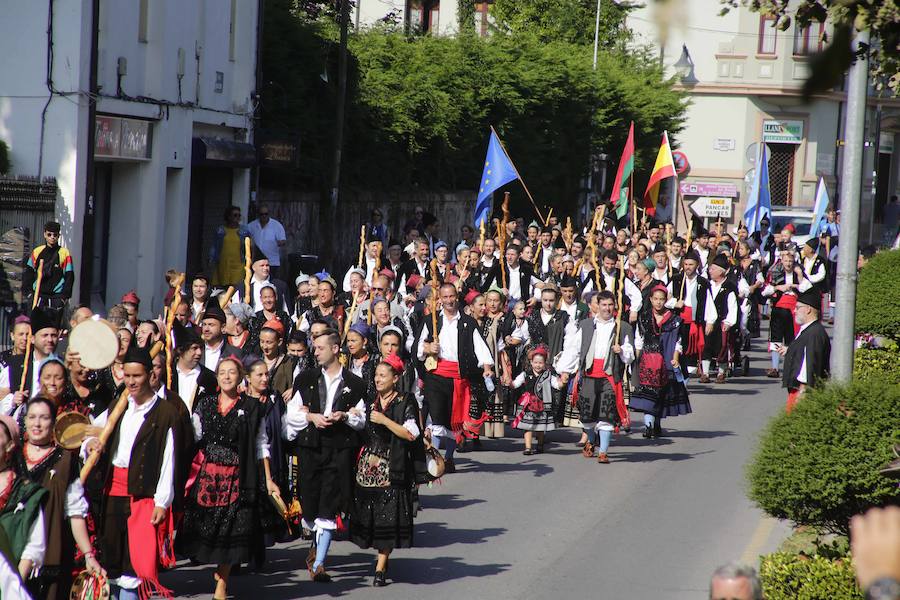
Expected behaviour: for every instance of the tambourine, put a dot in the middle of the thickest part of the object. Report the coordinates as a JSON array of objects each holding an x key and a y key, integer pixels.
[
  {"x": 96, "y": 343},
  {"x": 89, "y": 586},
  {"x": 69, "y": 429},
  {"x": 434, "y": 462},
  {"x": 282, "y": 509}
]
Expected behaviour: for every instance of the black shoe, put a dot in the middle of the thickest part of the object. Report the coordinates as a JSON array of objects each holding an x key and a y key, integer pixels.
[
  {"x": 476, "y": 444},
  {"x": 648, "y": 432},
  {"x": 379, "y": 579},
  {"x": 449, "y": 466},
  {"x": 463, "y": 447}
]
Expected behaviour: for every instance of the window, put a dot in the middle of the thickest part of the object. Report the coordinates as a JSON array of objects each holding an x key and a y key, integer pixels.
[
  {"x": 781, "y": 173},
  {"x": 767, "y": 34},
  {"x": 808, "y": 40},
  {"x": 481, "y": 18}
]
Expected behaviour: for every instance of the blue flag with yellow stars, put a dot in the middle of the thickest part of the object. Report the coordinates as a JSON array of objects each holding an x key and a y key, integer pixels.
[{"x": 498, "y": 171}]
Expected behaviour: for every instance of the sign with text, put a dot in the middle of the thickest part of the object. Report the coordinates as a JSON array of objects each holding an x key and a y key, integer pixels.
[
  {"x": 118, "y": 137},
  {"x": 712, "y": 207},
  {"x": 783, "y": 131},
  {"x": 709, "y": 189}
]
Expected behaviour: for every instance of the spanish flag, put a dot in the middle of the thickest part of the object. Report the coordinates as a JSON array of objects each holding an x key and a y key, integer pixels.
[{"x": 664, "y": 167}]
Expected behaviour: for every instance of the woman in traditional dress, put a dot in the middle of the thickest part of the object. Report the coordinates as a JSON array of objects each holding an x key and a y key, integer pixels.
[
  {"x": 279, "y": 366},
  {"x": 275, "y": 466},
  {"x": 237, "y": 325},
  {"x": 539, "y": 394},
  {"x": 21, "y": 505},
  {"x": 268, "y": 297},
  {"x": 84, "y": 394},
  {"x": 221, "y": 523},
  {"x": 360, "y": 361},
  {"x": 382, "y": 516},
  {"x": 43, "y": 462},
  {"x": 660, "y": 391}
]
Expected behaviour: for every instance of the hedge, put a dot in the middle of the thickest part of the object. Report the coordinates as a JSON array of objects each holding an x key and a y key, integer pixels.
[
  {"x": 877, "y": 304},
  {"x": 788, "y": 576},
  {"x": 819, "y": 465},
  {"x": 877, "y": 363}
]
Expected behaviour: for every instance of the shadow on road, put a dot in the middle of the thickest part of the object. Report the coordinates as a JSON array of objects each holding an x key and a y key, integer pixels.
[
  {"x": 428, "y": 571},
  {"x": 447, "y": 501},
  {"x": 532, "y": 465},
  {"x": 438, "y": 535},
  {"x": 653, "y": 456}
]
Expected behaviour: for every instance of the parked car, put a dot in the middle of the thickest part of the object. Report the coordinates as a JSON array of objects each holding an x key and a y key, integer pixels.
[{"x": 800, "y": 217}]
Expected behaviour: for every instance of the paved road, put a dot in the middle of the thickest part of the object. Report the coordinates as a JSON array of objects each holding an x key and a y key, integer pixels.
[{"x": 652, "y": 524}]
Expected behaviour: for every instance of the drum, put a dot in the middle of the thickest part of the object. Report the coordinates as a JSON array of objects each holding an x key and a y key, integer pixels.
[
  {"x": 69, "y": 429},
  {"x": 96, "y": 342}
]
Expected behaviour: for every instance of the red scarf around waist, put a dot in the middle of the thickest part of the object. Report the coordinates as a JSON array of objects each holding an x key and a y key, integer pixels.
[
  {"x": 596, "y": 372},
  {"x": 462, "y": 399},
  {"x": 788, "y": 301},
  {"x": 147, "y": 544},
  {"x": 696, "y": 337}
]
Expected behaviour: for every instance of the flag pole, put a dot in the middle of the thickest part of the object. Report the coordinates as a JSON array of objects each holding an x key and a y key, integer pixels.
[
  {"x": 522, "y": 181},
  {"x": 631, "y": 200}
]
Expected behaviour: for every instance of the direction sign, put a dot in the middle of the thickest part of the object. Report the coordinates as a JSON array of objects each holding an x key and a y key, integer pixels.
[{"x": 712, "y": 207}]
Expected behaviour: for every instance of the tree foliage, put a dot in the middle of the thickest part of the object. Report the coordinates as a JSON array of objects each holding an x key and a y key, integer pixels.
[
  {"x": 5, "y": 164},
  {"x": 819, "y": 465},
  {"x": 880, "y": 17},
  {"x": 788, "y": 576},
  {"x": 571, "y": 21},
  {"x": 420, "y": 108},
  {"x": 877, "y": 311}
]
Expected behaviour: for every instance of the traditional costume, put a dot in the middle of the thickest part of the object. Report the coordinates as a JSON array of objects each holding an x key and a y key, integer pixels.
[
  {"x": 721, "y": 344},
  {"x": 698, "y": 310},
  {"x": 808, "y": 356},
  {"x": 782, "y": 327}
]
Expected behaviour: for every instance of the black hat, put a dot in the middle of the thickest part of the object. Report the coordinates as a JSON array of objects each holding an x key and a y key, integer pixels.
[
  {"x": 256, "y": 254},
  {"x": 42, "y": 319},
  {"x": 811, "y": 298},
  {"x": 393, "y": 242},
  {"x": 372, "y": 236},
  {"x": 702, "y": 233},
  {"x": 51, "y": 226},
  {"x": 691, "y": 255},
  {"x": 138, "y": 355},
  {"x": 214, "y": 311},
  {"x": 546, "y": 229},
  {"x": 813, "y": 244},
  {"x": 185, "y": 337},
  {"x": 568, "y": 282},
  {"x": 559, "y": 243},
  {"x": 721, "y": 261},
  {"x": 428, "y": 219}
]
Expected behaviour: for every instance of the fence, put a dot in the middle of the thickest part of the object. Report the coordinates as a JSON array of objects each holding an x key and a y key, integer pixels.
[{"x": 25, "y": 205}]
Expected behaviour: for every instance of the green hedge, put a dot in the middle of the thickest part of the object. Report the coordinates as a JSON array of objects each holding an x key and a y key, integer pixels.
[
  {"x": 877, "y": 304},
  {"x": 819, "y": 465},
  {"x": 877, "y": 363},
  {"x": 788, "y": 576}
]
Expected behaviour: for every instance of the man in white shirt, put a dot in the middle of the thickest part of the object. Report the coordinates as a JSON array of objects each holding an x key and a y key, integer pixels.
[
  {"x": 322, "y": 420},
  {"x": 461, "y": 354},
  {"x": 261, "y": 277},
  {"x": 190, "y": 378},
  {"x": 44, "y": 342},
  {"x": 212, "y": 328},
  {"x": 268, "y": 234},
  {"x": 720, "y": 344},
  {"x": 140, "y": 482}
]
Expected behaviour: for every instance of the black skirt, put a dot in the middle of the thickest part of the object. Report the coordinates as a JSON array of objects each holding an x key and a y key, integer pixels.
[{"x": 382, "y": 518}]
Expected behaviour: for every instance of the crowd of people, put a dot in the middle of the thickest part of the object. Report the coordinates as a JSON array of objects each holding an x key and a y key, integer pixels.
[{"x": 252, "y": 411}]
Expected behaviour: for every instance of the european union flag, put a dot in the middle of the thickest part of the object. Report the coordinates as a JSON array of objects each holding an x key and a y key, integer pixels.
[{"x": 498, "y": 171}]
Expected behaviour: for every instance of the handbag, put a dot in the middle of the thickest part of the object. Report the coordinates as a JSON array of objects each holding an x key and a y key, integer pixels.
[
  {"x": 652, "y": 370},
  {"x": 372, "y": 470}
]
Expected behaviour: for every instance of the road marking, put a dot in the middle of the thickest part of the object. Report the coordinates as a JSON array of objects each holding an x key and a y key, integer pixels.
[{"x": 757, "y": 540}]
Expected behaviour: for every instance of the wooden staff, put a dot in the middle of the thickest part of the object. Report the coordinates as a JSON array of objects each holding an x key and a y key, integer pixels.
[
  {"x": 350, "y": 316},
  {"x": 620, "y": 305},
  {"x": 248, "y": 270},
  {"x": 481, "y": 236},
  {"x": 431, "y": 361},
  {"x": 225, "y": 298},
  {"x": 27, "y": 361},
  {"x": 505, "y": 209},
  {"x": 362, "y": 245},
  {"x": 568, "y": 236},
  {"x": 37, "y": 284},
  {"x": 549, "y": 214},
  {"x": 113, "y": 418},
  {"x": 668, "y": 252},
  {"x": 170, "y": 322}
]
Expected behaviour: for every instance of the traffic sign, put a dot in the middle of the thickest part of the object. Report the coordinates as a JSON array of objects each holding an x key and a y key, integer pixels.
[
  {"x": 712, "y": 207},
  {"x": 682, "y": 166}
]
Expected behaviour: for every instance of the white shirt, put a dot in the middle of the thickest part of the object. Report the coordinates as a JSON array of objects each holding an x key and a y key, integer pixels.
[
  {"x": 546, "y": 255},
  {"x": 812, "y": 277},
  {"x": 267, "y": 238},
  {"x": 603, "y": 332},
  {"x": 569, "y": 308},
  {"x": 6, "y": 404},
  {"x": 710, "y": 313},
  {"x": 132, "y": 420},
  {"x": 801, "y": 375},
  {"x": 515, "y": 287},
  {"x": 449, "y": 342},
  {"x": 262, "y": 438},
  {"x": 187, "y": 384},
  {"x": 731, "y": 316},
  {"x": 211, "y": 356},
  {"x": 296, "y": 419}
]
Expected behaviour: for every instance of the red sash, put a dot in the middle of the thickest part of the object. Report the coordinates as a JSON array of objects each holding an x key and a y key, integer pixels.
[
  {"x": 596, "y": 372},
  {"x": 462, "y": 399},
  {"x": 792, "y": 398},
  {"x": 696, "y": 338},
  {"x": 147, "y": 544}
]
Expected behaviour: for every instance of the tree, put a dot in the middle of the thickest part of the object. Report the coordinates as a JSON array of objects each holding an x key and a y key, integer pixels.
[
  {"x": 880, "y": 17},
  {"x": 570, "y": 21}
]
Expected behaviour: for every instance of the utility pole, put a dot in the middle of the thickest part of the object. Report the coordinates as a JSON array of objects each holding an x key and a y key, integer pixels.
[
  {"x": 851, "y": 178},
  {"x": 339, "y": 126},
  {"x": 597, "y": 34}
]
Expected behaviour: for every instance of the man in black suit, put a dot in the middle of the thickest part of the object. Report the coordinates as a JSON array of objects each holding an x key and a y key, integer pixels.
[
  {"x": 260, "y": 279},
  {"x": 212, "y": 330},
  {"x": 807, "y": 358},
  {"x": 190, "y": 378},
  {"x": 322, "y": 422},
  {"x": 418, "y": 265}
]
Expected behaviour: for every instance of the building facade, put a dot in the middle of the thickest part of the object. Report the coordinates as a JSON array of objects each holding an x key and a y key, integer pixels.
[
  {"x": 143, "y": 112},
  {"x": 744, "y": 80}
]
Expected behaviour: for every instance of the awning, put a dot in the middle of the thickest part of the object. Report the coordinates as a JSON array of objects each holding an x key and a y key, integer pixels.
[{"x": 219, "y": 152}]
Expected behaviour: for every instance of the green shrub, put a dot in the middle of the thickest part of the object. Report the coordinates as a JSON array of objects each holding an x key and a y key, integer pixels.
[
  {"x": 788, "y": 576},
  {"x": 877, "y": 363},
  {"x": 819, "y": 465},
  {"x": 877, "y": 306}
]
